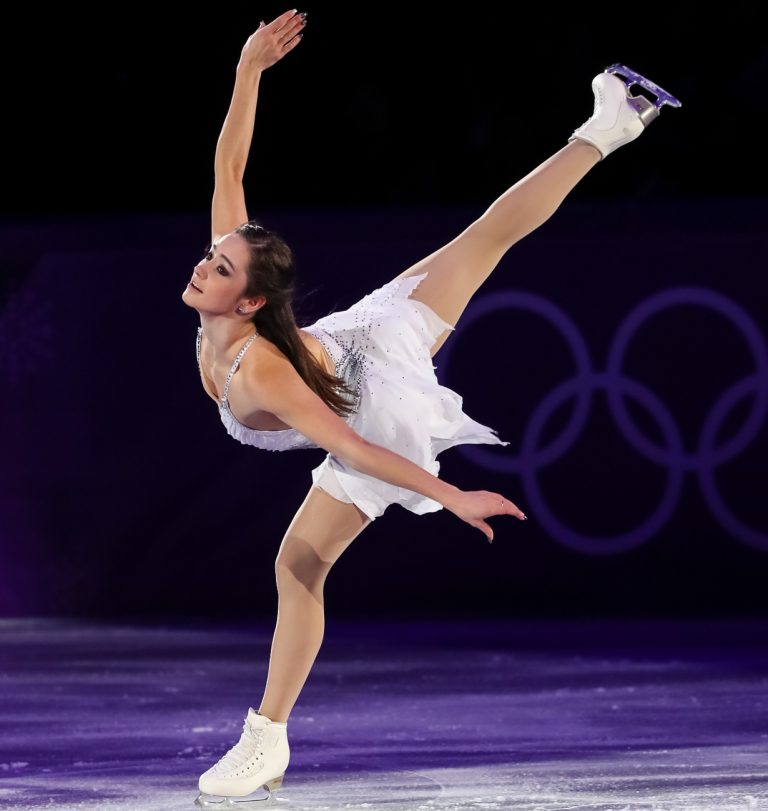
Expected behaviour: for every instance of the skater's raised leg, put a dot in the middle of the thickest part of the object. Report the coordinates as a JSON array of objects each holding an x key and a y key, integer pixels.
[{"x": 457, "y": 270}]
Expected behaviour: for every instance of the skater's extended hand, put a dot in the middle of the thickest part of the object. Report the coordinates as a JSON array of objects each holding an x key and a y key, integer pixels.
[
  {"x": 475, "y": 505},
  {"x": 272, "y": 41}
]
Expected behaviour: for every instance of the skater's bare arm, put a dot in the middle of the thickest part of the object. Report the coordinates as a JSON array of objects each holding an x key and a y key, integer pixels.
[
  {"x": 271, "y": 383},
  {"x": 264, "y": 47}
]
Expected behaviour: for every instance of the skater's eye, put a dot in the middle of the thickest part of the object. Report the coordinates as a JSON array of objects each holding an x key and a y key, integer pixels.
[{"x": 222, "y": 270}]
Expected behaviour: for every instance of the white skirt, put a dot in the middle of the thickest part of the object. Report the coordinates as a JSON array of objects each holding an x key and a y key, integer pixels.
[{"x": 386, "y": 337}]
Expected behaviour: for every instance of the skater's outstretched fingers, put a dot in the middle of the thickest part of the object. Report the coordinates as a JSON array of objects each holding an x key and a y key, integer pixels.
[
  {"x": 476, "y": 505},
  {"x": 272, "y": 41}
]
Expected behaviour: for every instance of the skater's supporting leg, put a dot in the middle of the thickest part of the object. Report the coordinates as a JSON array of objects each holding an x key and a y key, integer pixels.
[
  {"x": 458, "y": 269},
  {"x": 321, "y": 530}
]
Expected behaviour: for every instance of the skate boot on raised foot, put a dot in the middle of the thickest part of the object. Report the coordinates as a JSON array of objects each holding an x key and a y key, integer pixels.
[
  {"x": 258, "y": 760},
  {"x": 619, "y": 117}
]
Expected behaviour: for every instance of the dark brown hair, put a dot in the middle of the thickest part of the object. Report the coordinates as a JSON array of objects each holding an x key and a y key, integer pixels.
[{"x": 271, "y": 272}]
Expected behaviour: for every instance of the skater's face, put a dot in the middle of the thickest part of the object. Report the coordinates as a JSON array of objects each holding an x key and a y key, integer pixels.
[{"x": 219, "y": 278}]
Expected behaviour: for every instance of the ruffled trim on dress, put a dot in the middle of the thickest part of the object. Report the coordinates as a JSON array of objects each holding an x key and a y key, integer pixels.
[{"x": 403, "y": 406}]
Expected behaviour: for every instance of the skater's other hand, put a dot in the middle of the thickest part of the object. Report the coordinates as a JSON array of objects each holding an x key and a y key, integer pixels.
[
  {"x": 475, "y": 505},
  {"x": 272, "y": 41}
]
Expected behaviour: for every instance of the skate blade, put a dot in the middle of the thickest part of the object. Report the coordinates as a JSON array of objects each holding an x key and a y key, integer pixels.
[
  {"x": 662, "y": 96},
  {"x": 215, "y": 801}
]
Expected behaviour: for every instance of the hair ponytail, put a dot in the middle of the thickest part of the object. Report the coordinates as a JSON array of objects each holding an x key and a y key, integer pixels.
[{"x": 271, "y": 272}]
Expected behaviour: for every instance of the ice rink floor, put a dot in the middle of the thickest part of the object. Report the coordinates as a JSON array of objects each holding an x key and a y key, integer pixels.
[{"x": 532, "y": 715}]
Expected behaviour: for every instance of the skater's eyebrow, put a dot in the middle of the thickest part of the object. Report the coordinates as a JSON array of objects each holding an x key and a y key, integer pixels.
[
  {"x": 228, "y": 260},
  {"x": 223, "y": 256}
]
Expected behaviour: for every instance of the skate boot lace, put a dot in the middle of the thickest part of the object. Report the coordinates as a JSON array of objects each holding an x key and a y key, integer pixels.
[{"x": 249, "y": 742}]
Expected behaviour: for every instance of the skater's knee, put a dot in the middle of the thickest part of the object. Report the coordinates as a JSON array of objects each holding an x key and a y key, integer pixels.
[{"x": 298, "y": 564}]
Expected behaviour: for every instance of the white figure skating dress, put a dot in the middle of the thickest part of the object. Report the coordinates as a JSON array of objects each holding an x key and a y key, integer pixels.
[{"x": 380, "y": 346}]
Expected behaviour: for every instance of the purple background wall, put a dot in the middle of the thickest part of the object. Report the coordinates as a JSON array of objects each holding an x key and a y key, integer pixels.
[{"x": 121, "y": 492}]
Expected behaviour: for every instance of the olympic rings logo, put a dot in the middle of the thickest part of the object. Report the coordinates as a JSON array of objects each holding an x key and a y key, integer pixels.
[{"x": 703, "y": 461}]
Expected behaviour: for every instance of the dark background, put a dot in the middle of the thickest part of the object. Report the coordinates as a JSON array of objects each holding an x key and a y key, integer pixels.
[
  {"x": 378, "y": 139},
  {"x": 119, "y": 108}
]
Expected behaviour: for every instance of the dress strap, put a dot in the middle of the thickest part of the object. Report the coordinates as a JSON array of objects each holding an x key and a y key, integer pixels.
[{"x": 235, "y": 364}]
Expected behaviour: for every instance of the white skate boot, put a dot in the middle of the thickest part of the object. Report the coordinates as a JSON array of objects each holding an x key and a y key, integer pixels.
[
  {"x": 619, "y": 117},
  {"x": 258, "y": 759}
]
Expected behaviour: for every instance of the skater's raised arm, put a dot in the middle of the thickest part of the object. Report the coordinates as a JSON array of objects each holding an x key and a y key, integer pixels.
[
  {"x": 273, "y": 384},
  {"x": 268, "y": 44}
]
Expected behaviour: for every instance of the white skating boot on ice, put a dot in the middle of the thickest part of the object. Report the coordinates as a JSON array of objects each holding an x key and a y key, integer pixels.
[
  {"x": 258, "y": 760},
  {"x": 619, "y": 117}
]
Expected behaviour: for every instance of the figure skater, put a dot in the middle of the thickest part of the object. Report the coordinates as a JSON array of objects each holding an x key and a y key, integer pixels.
[{"x": 359, "y": 383}]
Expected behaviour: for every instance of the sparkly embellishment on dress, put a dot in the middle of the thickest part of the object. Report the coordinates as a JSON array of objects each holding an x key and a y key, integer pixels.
[{"x": 351, "y": 369}]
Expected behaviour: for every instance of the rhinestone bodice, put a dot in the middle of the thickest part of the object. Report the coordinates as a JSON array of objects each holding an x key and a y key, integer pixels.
[{"x": 284, "y": 439}]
